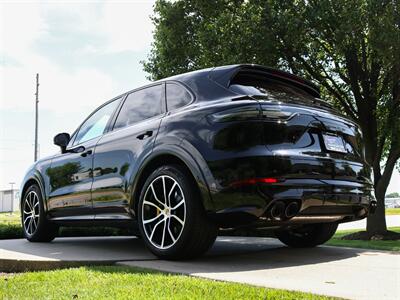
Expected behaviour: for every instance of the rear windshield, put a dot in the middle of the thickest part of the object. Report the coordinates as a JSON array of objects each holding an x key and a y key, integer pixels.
[{"x": 255, "y": 84}]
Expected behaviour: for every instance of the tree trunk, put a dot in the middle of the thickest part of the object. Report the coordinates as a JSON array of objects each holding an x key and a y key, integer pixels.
[{"x": 376, "y": 223}]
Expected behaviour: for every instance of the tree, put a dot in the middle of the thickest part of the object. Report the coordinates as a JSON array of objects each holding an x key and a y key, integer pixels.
[
  {"x": 393, "y": 195},
  {"x": 351, "y": 49},
  {"x": 197, "y": 34}
]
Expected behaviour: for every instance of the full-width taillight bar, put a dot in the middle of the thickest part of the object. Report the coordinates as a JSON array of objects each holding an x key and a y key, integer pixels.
[{"x": 253, "y": 112}]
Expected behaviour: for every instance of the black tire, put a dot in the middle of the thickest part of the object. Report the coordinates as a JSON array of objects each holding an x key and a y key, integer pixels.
[
  {"x": 198, "y": 232},
  {"x": 44, "y": 231},
  {"x": 309, "y": 235}
]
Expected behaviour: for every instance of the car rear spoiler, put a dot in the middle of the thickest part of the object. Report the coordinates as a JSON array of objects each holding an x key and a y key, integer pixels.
[{"x": 224, "y": 75}]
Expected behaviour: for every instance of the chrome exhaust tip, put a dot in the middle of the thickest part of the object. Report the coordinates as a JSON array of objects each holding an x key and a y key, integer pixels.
[
  {"x": 292, "y": 209},
  {"x": 277, "y": 210}
]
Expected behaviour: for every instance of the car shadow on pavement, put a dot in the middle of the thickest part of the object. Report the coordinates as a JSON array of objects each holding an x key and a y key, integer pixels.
[
  {"x": 116, "y": 248},
  {"x": 228, "y": 253},
  {"x": 236, "y": 254}
]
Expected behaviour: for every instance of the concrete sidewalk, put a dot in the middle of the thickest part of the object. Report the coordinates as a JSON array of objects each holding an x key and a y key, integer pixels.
[
  {"x": 20, "y": 255},
  {"x": 342, "y": 272}
]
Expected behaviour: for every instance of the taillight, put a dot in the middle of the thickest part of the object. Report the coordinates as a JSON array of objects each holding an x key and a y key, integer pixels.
[
  {"x": 247, "y": 113},
  {"x": 276, "y": 114},
  {"x": 243, "y": 113},
  {"x": 252, "y": 181}
]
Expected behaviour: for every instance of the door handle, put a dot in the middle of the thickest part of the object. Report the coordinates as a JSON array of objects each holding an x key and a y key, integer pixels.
[
  {"x": 148, "y": 133},
  {"x": 89, "y": 152}
]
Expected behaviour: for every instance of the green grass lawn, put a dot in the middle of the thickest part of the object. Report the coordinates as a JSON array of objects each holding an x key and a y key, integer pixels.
[
  {"x": 10, "y": 226},
  {"x": 129, "y": 283},
  {"x": 377, "y": 245},
  {"x": 392, "y": 211},
  {"x": 10, "y": 218}
]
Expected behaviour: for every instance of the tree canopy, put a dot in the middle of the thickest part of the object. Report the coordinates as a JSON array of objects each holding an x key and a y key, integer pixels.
[
  {"x": 393, "y": 195},
  {"x": 351, "y": 49}
]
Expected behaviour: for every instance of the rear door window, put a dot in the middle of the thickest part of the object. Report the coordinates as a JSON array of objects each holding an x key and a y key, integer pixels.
[
  {"x": 140, "y": 105},
  {"x": 177, "y": 96}
]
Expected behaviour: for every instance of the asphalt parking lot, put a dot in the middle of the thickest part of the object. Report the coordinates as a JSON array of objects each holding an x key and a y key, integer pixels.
[{"x": 342, "y": 272}]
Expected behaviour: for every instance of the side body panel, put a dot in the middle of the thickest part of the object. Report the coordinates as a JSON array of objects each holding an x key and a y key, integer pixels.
[
  {"x": 70, "y": 182},
  {"x": 117, "y": 158}
]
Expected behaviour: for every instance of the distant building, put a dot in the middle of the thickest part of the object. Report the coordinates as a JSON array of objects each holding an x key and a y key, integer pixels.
[
  {"x": 9, "y": 200},
  {"x": 392, "y": 202}
]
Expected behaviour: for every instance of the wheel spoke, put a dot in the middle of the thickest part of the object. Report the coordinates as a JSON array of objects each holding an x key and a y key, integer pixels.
[
  {"x": 34, "y": 222},
  {"x": 155, "y": 196},
  {"x": 155, "y": 227},
  {"x": 170, "y": 192},
  {"x": 164, "y": 192},
  {"x": 29, "y": 205},
  {"x": 27, "y": 218},
  {"x": 152, "y": 219},
  {"x": 170, "y": 233},
  {"x": 178, "y": 219},
  {"x": 27, "y": 212},
  {"x": 179, "y": 204},
  {"x": 32, "y": 195},
  {"x": 30, "y": 225},
  {"x": 152, "y": 204},
  {"x": 163, "y": 233}
]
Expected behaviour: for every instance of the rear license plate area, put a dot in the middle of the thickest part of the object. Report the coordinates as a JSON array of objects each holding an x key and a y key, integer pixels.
[{"x": 334, "y": 143}]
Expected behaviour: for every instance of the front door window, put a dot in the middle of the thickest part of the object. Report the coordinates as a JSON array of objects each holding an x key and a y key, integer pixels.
[{"x": 96, "y": 124}]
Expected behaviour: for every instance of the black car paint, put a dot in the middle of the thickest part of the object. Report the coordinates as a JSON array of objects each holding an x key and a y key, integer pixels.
[{"x": 104, "y": 185}]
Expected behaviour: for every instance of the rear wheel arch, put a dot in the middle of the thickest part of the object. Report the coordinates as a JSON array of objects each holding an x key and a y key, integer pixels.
[{"x": 168, "y": 158}]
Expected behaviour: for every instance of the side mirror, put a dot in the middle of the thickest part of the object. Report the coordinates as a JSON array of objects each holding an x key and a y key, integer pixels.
[{"x": 62, "y": 140}]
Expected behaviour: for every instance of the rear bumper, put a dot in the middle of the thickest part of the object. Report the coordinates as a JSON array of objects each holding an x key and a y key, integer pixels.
[
  {"x": 326, "y": 191},
  {"x": 319, "y": 200}
]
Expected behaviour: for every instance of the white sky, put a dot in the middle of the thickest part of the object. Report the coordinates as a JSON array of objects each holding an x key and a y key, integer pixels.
[{"x": 85, "y": 53}]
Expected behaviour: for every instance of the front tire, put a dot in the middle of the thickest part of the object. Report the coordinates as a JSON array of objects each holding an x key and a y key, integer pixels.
[
  {"x": 34, "y": 223},
  {"x": 309, "y": 235},
  {"x": 172, "y": 221}
]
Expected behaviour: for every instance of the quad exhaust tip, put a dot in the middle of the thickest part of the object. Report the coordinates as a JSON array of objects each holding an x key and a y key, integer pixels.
[
  {"x": 291, "y": 209},
  {"x": 283, "y": 211},
  {"x": 277, "y": 210}
]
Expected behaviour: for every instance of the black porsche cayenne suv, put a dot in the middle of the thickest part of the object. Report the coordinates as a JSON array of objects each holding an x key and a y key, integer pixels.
[{"x": 225, "y": 147}]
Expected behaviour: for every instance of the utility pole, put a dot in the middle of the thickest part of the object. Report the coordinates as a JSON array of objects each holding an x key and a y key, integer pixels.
[
  {"x": 12, "y": 196},
  {"x": 36, "y": 117}
]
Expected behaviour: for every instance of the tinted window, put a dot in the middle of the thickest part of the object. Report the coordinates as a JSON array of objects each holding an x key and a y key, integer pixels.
[
  {"x": 252, "y": 84},
  {"x": 96, "y": 124},
  {"x": 140, "y": 105},
  {"x": 177, "y": 96}
]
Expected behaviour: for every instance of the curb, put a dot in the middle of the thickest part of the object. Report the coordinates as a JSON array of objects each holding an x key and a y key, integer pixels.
[{"x": 14, "y": 266}]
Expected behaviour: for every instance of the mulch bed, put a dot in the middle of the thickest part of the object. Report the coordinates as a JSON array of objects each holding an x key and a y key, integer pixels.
[{"x": 365, "y": 236}]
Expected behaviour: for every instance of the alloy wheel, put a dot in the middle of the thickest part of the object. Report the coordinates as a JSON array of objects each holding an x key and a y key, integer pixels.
[
  {"x": 163, "y": 212},
  {"x": 31, "y": 213}
]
